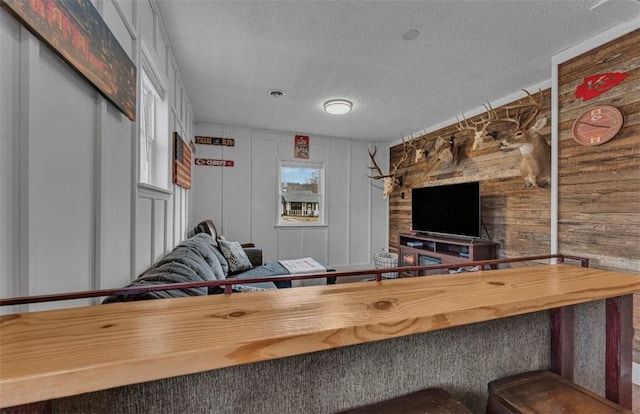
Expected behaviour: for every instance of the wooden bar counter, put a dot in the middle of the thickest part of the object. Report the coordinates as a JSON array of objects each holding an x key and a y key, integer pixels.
[{"x": 52, "y": 354}]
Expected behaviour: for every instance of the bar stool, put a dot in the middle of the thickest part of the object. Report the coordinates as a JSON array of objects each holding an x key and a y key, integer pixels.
[
  {"x": 545, "y": 392},
  {"x": 427, "y": 401}
]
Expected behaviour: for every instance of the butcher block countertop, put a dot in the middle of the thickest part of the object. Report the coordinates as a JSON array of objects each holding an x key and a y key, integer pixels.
[{"x": 51, "y": 354}]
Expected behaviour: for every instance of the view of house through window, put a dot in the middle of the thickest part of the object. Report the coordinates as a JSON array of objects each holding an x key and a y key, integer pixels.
[{"x": 301, "y": 193}]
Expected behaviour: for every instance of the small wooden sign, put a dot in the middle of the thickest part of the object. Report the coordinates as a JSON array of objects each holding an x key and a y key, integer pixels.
[
  {"x": 213, "y": 163},
  {"x": 301, "y": 147},
  {"x": 227, "y": 142}
]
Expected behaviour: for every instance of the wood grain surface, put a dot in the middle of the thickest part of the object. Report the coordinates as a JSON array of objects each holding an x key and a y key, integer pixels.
[
  {"x": 599, "y": 187},
  {"x": 51, "y": 354},
  {"x": 599, "y": 203}
]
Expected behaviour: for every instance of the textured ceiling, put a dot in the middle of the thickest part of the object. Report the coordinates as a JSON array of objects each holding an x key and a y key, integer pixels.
[{"x": 231, "y": 53}]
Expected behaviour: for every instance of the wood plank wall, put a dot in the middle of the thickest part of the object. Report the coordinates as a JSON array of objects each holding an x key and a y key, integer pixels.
[
  {"x": 599, "y": 186},
  {"x": 516, "y": 217}
]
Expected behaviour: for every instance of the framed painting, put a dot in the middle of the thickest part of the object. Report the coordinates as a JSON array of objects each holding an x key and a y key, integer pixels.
[{"x": 75, "y": 31}]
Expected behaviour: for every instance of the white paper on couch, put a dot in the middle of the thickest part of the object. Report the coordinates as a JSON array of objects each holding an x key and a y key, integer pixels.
[{"x": 303, "y": 265}]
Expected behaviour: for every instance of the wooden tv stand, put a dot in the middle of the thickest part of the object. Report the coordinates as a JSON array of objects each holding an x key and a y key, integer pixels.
[{"x": 424, "y": 250}]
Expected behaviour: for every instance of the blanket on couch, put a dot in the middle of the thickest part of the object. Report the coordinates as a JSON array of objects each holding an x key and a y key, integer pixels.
[{"x": 194, "y": 260}]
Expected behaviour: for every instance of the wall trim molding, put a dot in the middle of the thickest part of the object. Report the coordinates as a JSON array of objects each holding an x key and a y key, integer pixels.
[
  {"x": 97, "y": 196},
  {"x": 29, "y": 82},
  {"x": 596, "y": 41},
  {"x": 152, "y": 192},
  {"x": 152, "y": 68}
]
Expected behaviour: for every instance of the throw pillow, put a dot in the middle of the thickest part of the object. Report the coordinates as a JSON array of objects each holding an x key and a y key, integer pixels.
[{"x": 235, "y": 255}]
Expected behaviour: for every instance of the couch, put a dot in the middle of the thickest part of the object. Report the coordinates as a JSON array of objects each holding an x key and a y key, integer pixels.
[{"x": 205, "y": 257}]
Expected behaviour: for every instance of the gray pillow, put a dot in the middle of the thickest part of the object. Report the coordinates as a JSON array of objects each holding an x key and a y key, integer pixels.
[{"x": 235, "y": 255}]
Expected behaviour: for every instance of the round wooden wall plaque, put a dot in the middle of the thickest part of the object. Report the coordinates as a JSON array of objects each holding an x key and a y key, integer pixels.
[{"x": 597, "y": 125}]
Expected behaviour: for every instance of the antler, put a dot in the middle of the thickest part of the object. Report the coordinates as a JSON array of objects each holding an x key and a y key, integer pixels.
[
  {"x": 479, "y": 127},
  {"x": 388, "y": 179},
  {"x": 531, "y": 103},
  {"x": 445, "y": 150},
  {"x": 375, "y": 164},
  {"x": 420, "y": 152}
]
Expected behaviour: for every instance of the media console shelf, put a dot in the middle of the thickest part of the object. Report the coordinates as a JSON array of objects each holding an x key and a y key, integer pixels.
[{"x": 424, "y": 250}]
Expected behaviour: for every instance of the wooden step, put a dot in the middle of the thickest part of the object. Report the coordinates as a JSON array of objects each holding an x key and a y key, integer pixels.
[{"x": 545, "y": 392}]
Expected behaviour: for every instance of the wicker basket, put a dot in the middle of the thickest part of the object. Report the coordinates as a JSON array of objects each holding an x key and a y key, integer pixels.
[{"x": 383, "y": 260}]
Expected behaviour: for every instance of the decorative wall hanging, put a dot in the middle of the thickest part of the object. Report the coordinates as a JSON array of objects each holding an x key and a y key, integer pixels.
[
  {"x": 479, "y": 127},
  {"x": 597, "y": 125},
  {"x": 227, "y": 142},
  {"x": 393, "y": 178},
  {"x": 535, "y": 164},
  {"x": 213, "y": 163},
  {"x": 75, "y": 31},
  {"x": 181, "y": 162},
  {"x": 301, "y": 147},
  {"x": 420, "y": 151},
  {"x": 445, "y": 151},
  {"x": 596, "y": 85}
]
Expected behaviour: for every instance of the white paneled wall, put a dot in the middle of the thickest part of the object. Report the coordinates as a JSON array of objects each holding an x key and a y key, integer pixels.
[
  {"x": 61, "y": 156},
  {"x": 72, "y": 215},
  {"x": 338, "y": 205},
  {"x": 9, "y": 156},
  {"x": 242, "y": 200}
]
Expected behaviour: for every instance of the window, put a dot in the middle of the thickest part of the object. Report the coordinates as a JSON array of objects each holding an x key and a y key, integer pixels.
[
  {"x": 301, "y": 198},
  {"x": 154, "y": 144}
]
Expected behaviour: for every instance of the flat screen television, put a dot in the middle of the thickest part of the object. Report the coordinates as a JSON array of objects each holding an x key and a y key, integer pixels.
[{"x": 452, "y": 209}]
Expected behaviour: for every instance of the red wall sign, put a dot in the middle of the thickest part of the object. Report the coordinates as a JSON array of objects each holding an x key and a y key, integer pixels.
[
  {"x": 301, "y": 147},
  {"x": 596, "y": 85},
  {"x": 213, "y": 163}
]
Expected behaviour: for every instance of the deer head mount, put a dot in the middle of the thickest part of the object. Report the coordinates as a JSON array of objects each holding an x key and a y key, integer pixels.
[
  {"x": 420, "y": 150},
  {"x": 445, "y": 150},
  {"x": 535, "y": 166},
  {"x": 479, "y": 127},
  {"x": 391, "y": 179}
]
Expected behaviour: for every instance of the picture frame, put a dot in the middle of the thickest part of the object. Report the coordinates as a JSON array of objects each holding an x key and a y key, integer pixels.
[{"x": 75, "y": 31}]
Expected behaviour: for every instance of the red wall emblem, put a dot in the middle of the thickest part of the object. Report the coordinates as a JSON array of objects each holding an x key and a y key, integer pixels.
[{"x": 596, "y": 85}]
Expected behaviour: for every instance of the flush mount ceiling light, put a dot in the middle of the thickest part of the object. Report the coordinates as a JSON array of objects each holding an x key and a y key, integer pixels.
[{"x": 338, "y": 106}]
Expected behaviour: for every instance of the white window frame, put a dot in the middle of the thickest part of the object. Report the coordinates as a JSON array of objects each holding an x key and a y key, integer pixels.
[
  {"x": 321, "y": 193},
  {"x": 154, "y": 149}
]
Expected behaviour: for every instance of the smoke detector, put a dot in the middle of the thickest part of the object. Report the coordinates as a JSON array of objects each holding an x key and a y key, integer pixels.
[{"x": 276, "y": 93}]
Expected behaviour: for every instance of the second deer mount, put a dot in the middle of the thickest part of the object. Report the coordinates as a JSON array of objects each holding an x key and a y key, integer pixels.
[{"x": 535, "y": 165}]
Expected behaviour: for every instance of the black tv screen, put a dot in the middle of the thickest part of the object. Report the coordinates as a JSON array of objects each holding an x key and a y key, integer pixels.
[{"x": 452, "y": 209}]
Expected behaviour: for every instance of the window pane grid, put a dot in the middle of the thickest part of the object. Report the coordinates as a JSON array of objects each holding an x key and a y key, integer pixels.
[{"x": 301, "y": 197}]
